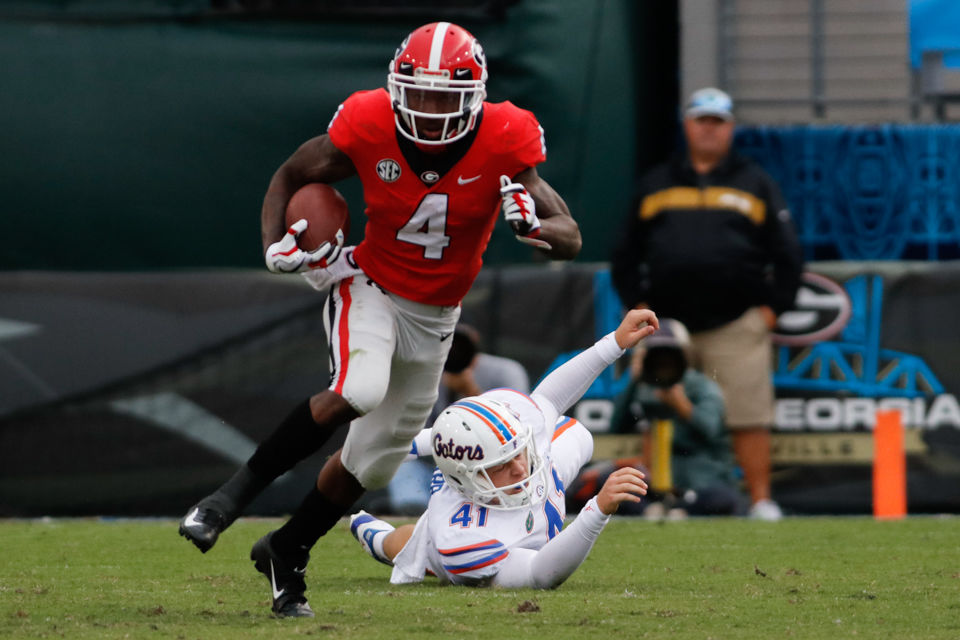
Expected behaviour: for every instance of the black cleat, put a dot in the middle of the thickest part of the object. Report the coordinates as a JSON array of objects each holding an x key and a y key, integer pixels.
[
  {"x": 286, "y": 579},
  {"x": 202, "y": 526}
]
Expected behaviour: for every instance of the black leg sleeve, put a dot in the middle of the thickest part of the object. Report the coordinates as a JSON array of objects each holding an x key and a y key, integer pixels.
[
  {"x": 296, "y": 438},
  {"x": 314, "y": 517}
]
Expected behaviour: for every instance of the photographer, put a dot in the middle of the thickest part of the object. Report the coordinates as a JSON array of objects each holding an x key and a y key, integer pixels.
[{"x": 664, "y": 387}]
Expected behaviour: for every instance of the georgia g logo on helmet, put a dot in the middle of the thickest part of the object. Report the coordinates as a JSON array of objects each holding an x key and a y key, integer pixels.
[
  {"x": 437, "y": 83},
  {"x": 479, "y": 56},
  {"x": 403, "y": 45}
]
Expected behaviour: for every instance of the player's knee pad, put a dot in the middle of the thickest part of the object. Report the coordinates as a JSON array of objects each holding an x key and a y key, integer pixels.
[
  {"x": 365, "y": 392},
  {"x": 413, "y": 417}
]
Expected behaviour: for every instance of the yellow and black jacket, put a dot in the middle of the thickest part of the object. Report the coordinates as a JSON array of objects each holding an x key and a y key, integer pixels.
[{"x": 705, "y": 248}]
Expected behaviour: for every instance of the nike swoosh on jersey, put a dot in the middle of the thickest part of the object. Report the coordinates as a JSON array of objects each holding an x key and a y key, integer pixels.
[{"x": 461, "y": 180}]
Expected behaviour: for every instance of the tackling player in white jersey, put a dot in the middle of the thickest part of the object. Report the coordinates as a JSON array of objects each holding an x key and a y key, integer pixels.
[{"x": 497, "y": 510}]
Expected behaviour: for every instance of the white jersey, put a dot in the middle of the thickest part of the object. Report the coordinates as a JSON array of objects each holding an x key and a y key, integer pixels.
[{"x": 465, "y": 543}]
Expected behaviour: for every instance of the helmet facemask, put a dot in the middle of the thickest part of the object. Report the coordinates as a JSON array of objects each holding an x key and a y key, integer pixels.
[
  {"x": 527, "y": 492},
  {"x": 459, "y": 101},
  {"x": 437, "y": 83}
]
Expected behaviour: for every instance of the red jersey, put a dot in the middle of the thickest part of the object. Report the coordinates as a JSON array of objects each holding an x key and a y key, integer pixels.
[{"x": 425, "y": 234}]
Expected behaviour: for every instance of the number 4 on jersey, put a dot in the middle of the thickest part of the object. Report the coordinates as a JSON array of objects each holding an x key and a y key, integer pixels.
[{"x": 427, "y": 226}]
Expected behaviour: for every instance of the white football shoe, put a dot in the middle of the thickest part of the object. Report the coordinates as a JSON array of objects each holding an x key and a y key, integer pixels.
[
  {"x": 767, "y": 510},
  {"x": 365, "y": 528}
]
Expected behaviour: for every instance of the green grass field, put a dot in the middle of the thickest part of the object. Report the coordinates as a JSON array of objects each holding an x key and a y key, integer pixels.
[{"x": 723, "y": 578}]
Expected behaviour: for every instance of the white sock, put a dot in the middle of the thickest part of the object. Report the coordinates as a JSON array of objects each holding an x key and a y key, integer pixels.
[{"x": 376, "y": 543}]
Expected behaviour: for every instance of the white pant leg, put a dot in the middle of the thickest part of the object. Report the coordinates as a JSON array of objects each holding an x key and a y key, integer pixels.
[
  {"x": 360, "y": 321},
  {"x": 379, "y": 441}
]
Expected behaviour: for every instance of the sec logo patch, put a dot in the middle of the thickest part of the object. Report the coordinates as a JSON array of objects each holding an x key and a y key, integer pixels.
[{"x": 388, "y": 170}]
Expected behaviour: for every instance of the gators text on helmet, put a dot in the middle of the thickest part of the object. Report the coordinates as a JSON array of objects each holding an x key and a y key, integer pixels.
[{"x": 476, "y": 434}]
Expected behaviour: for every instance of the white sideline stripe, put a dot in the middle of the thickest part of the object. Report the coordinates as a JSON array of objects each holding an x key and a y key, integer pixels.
[
  {"x": 10, "y": 329},
  {"x": 436, "y": 45},
  {"x": 175, "y": 413}
]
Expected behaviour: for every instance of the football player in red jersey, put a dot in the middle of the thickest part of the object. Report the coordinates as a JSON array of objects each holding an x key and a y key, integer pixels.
[{"x": 439, "y": 166}]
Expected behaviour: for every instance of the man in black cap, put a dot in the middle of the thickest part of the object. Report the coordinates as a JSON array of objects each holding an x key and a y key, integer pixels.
[{"x": 710, "y": 242}]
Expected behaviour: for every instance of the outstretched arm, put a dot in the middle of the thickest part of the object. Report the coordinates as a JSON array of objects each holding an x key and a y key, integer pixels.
[
  {"x": 559, "y": 558},
  {"x": 567, "y": 383}
]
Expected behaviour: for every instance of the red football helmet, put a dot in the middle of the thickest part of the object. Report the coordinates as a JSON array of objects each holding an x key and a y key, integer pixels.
[{"x": 437, "y": 83}]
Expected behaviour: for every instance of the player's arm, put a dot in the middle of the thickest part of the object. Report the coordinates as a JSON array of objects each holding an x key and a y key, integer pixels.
[
  {"x": 420, "y": 445},
  {"x": 317, "y": 160},
  {"x": 557, "y": 226},
  {"x": 539, "y": 216},
  {"x": 571, "y": 447},
  {"x": 556, "y": 561},
  {"x": 567, "y": 383}
]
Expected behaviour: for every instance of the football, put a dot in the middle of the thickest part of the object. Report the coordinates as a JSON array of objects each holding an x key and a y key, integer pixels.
[{"x": 325, "y": 211}]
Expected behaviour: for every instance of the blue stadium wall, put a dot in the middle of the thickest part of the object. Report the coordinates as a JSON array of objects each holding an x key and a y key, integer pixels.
[{"x": 889, "y": 192}]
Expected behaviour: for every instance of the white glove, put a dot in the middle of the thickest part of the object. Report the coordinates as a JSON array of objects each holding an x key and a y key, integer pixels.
[
  {"x": 284, "y": 256},
  {"x": 321, "y": 278},
  {"x": 520, "y": 212}
]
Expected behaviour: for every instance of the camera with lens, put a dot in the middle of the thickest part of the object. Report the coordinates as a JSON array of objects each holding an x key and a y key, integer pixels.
[{"x": 665, "y": 359}]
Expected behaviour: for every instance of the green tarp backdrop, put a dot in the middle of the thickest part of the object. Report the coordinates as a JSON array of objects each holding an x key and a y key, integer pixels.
[{"x": 142, "y": 135}]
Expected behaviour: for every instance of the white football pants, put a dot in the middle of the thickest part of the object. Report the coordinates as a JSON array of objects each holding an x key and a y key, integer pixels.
[{"x": 387, "y": 355}]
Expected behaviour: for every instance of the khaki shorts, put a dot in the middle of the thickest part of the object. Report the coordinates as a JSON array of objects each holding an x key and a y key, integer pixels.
[{"x": 739, "y": 356}]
